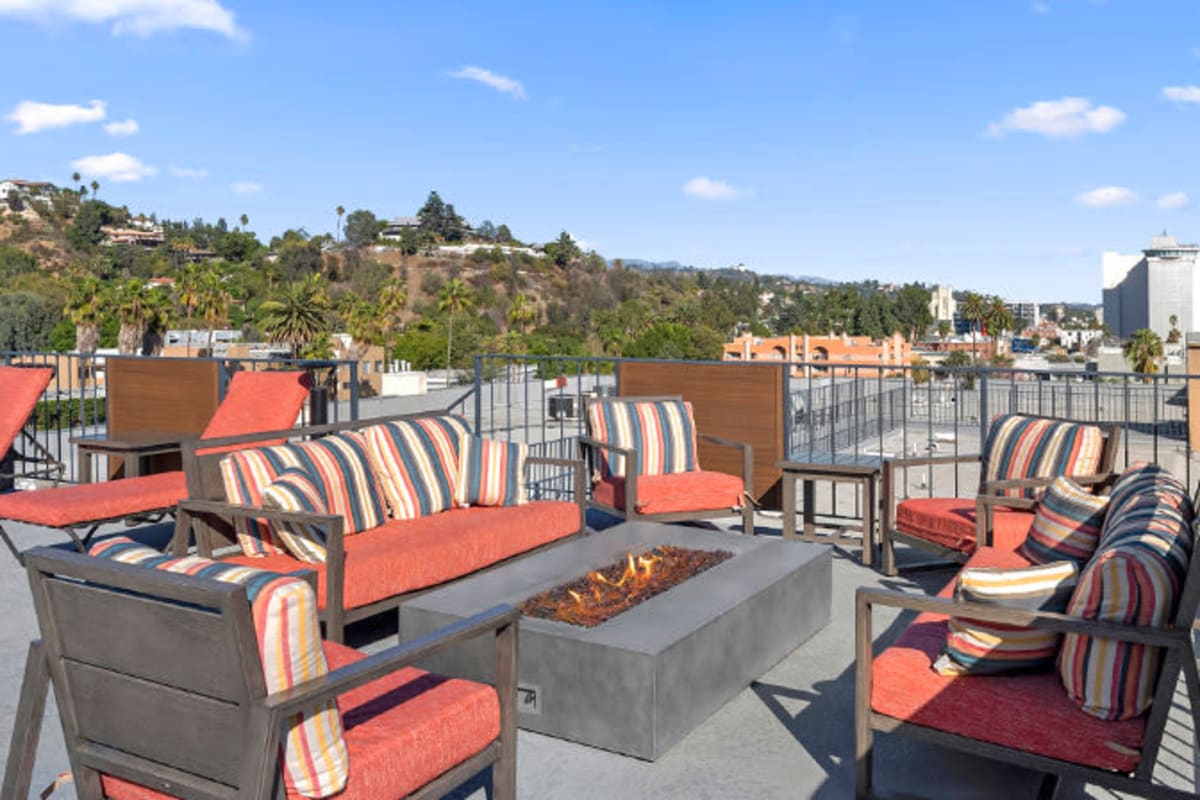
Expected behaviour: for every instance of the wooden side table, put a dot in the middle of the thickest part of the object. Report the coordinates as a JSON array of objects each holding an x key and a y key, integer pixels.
[
  {"x": 865, "y": 471},
  {"x": 132, "y": 447}
]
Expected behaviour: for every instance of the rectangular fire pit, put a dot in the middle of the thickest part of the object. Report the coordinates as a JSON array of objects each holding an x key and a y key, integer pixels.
[{"x": 641, "y": 681}]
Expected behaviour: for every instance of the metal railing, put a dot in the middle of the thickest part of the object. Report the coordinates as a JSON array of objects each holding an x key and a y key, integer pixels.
[{"x": 75, "y": 403}]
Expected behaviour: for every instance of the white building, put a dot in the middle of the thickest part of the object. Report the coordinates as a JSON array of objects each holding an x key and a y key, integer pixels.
[
  {"x": 1146, "y": 290},
  {"x": 942, "y": 305},
  {"x": 1077, "y": 338},
  {"x": 1026, "y": 315}
]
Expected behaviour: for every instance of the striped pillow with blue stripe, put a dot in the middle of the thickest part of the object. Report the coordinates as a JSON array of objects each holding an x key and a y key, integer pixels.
[
  {"x": 416, "y": 461},
  {"x": 337, "y": 463},
  {"x": 662, "y": 432},
  {"x": 975, "y": 647},
  {"x": 491, "y": 473},
  {"x": 284, "y": 609},
  {"x": 1020, "y": 447},
  {"x": 293, "y": 490},
  {"x": 1066, "y": 524}
]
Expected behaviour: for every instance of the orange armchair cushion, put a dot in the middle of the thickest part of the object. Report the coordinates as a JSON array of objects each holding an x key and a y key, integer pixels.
[
  {"x": 1029, "y": 712},
  {"x": 402, "y": 731},
  {"x": 950, "y": 522},
  {"x": 699, "y": 490},
  {"x": 405, "y": 555}
]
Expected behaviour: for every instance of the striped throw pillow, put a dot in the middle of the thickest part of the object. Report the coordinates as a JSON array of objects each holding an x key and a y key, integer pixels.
[
  {"x": 289, "y": 644},
  {"x": 1141, "y": 480},
  {"x": 293, "y": 490},
  {"x": 338, "y": 464},
  {"x": 416, "y": 461},
  {"x": 491, "y": 473},
  {"x": 1066, "y": 524},
  {"x": 662, "y": 432},
  {"x": 975, "y": 647},
  {"x": 1034, "y": 447},
  {"x": 1135, "y": 578}
]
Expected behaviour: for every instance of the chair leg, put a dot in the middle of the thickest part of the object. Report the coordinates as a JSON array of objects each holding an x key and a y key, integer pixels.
[
  {"x": 748, "y": 518},
  {"x": 27, "y": 727},
  {"x": 12, "y": 547},
  {"x": 888, "y": 553}
]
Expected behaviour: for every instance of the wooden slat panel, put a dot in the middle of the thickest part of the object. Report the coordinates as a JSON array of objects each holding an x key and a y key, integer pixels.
[
  {"x": 743, "y": 402},
  {"x": 158, "y": 723},
  {"x": 190, "y": 648}
]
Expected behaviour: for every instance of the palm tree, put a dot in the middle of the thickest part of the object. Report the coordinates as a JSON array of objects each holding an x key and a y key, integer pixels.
[
  {"x": 393, "y": 296},
  {"x": 212, "y": 303},
  {"x": 998, "y": 318},
  {"x": 95, "y": 189},
  {"x": 340, "y": 212},
  {"x": 1174, "y": 335},
  {"x": 297, "y": 315},
  {"x": 187, "y": 294},
  {"x": 522, "y": 312},
  {"x": 76, "y": 177},
  {"x": 1144, "y": 349},
  {"x": 362, "y": 321},
  {"x": 974, "y": 311},
  {"x": 85, "y": 309},
  {"x": 140, "y": 310},
  {"x": 943, "y": 328},
  {"x": 455, "y": 298},
  {"x": 244, "y": 220}
]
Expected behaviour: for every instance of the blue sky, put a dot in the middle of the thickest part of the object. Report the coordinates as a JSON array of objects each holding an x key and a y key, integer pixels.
[{"x": 999, "y": 146}]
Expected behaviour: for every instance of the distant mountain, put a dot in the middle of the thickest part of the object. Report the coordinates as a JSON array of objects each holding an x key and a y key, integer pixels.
[{"x": 740, "y": 271}]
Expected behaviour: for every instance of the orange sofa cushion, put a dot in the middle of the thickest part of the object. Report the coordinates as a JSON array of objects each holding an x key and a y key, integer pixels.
[
  {"x": 699, "y": 490},
  {"x": 950, "y": 522},
  {"x": 65, "y": 506},
  {"x": 1028, "y": 711},
  {"x": 405, "y": 555},
  {"x": 402, "y": 731}
]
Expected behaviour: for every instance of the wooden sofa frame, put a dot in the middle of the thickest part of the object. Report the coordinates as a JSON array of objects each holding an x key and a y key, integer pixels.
[
  {"x": 589, "y": 447},
  {"x": 1176, "y": 640},
  {"x": 207, "y": 518},
  {"x": 988, "y": 497},
  {"x": 200, "y": 721}
]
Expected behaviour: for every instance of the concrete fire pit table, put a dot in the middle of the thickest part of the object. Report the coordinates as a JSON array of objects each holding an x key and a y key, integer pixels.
[{"x": 639, "y": 682}]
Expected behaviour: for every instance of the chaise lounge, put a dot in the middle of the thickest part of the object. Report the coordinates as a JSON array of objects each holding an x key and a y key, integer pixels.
[{"x": 23, "y": 388}]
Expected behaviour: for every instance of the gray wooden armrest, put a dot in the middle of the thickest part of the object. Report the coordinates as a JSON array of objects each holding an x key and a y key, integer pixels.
[
  {"x": 578, "y": 469},
  {"x": 1159, "y": 636},
  {"x": 495, "y": 619},
  {"x": 747, "y": 458},
  {"x": 925, "y": 461},
  {"x": 630, "y": 455},
  {"x": 995, "y": 487},
  {"x": 231, "y": 511},
  {"x": 587, "y": 441},
  {"x": 721, "y": 441}
]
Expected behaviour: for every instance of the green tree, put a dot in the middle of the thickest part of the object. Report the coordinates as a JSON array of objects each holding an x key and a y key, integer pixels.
[
  {"x": 84, "y": 232},
  {"x": 85, "y": 309},
  {"x": 213, "y": 300},
  {"x": 143, "y": 313},
  {"x": 521, "y": 312},
  {"x": 503, "y": 234},
  {"x": 392, "y": 299},
  {"x": 297, "y": 315},
  {"x": 1144, "y": 350},
  {"x": 341, "y": 211},
  {"x": 563, "y": 250},
  {"x": 245, "y": 220},
  {"x": 26, "y": 321},
  {"x": 944, "y": 328},
  {"x": 960, "y": 359},
  {"x": 455, "y": 298},
  {"x": 439, "y": 219},
  {"x": 998, "y": 318},
  {"x": 912, "y": 310},
  {"x": 974, "y": 310},
  {"x": 95, "y": 189},
  {"x": 361, "y": 228},
  {"x": 362, "y": 322}
]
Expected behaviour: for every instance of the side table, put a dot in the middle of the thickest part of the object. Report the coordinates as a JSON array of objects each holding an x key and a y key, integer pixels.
[
  {"x": 133, "y": 447},
  {"x": 865, "y": 471}
]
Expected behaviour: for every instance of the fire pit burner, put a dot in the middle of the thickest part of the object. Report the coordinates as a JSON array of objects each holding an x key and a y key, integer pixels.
[{"x": 604, "y": 593}]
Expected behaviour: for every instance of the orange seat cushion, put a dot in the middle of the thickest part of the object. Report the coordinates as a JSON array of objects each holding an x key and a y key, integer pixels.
[
  {"x": 67, "y": 506},
  {"x": 22, "y": 388},
  {"x": 402, "y": 731},
  {"x": 405, "y": 555},
  {"x": 699, "y": 490},
  {"x": 950, "y": 522},
  {"x": 1030, "y": 711}
]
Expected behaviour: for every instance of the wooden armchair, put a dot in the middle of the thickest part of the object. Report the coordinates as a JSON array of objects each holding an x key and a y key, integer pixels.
[
  {"x": 1011, "y": 472},
  {"x": 161, "y": 693},
  {"x": 657, "y": 436}
]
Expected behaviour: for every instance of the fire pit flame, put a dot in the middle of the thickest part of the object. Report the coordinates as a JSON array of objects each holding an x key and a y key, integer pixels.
[{"x": 604, "y": 593}]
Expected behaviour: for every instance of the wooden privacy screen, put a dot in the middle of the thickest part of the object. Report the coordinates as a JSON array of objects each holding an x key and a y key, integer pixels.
[
  {"x": 743, "y": 402},
  {"x": 160, "y": 394}
]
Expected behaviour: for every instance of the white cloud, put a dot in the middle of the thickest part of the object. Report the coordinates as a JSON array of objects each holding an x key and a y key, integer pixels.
[
  {"x": 500, "y": 83},
  {"x": 1174, "y": 200},
  {"x": 1182, "y": 94},
  {"x": 116, "y": 167},
  {"x": 709, "y": 189},
  {"x": 188, "y": 172},
  {"x": 1070, "y": 116},
  {"x": 32, "y": 117},
  {"x": 137, "y": 17},
  {"x": 1040, "y": 8},
  {"x": 246, "y": 187},
  {"x": 583, "y": 244},
  {"x": 126, "y": 127},
  {"x": 1108, "y": 196}
]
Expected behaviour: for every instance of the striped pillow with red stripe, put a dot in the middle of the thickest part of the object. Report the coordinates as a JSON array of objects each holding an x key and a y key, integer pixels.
[
  {"x": 416, "y": 461},
  {"x": 491, "y": 473},
  {"x": 662, "y": 432},
  {"x": 284, "y": 608},
  {"x": 1035, "y": 447},
  {"x": 293, "y": 490}
]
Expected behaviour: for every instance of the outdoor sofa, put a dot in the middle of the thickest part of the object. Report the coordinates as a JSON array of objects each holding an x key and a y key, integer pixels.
[
  {"x": 1002, "y": 664},
  {"x": 373, "y": 506}
]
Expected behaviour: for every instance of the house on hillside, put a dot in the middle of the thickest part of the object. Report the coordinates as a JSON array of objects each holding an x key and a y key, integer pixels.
[
  {"x": 398, "y": 226},
  {"x": 142, "y": 237},
  {"x": 24, "y": 188}
]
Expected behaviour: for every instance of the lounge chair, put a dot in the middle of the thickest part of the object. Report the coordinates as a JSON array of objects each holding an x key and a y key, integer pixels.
[
  {"x": 164, "y": 692},
  {"x": 254, "y": 402},
  {"x": 22, "y": 388},
  {"x": 657, "y": 435}
]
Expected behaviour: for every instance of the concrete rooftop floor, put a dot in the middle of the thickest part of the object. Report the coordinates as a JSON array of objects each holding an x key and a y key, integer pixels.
[{"x": 788, "y": 735}]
